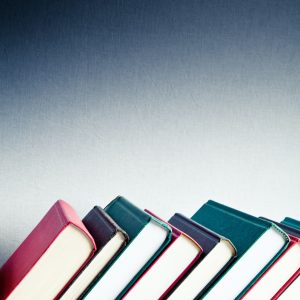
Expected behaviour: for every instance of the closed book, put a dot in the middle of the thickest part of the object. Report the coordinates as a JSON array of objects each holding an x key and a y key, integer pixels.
[
  {"x": 258, "y": 243},
  {"x": 293, "y": 223},
  {"x": 49, "y": 258},
  {"x": 110, "y": 239},
  {"x": 286, "y": 266},
  {"x": 292, "y": 286},
  {"x": 218, "y": 253},
  {"x": 164, "y": 273},
  {"x": 148, "y": 237}
]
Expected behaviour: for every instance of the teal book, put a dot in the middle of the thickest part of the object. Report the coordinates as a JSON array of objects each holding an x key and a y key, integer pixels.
[
  {"x": 148, "y": 238},
  {"x": 291, "y": 223},
  {"x": 258, "y": 243}
]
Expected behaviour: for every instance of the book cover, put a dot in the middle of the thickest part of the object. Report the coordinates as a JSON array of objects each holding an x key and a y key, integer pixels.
[
  {"x": 148, "y": 237},
  {"x": 102, "y": 227},
  {"x": 258, "y": 243},
  {"x": 292, "y": 223},
  {"x": 45, "y": 254}
]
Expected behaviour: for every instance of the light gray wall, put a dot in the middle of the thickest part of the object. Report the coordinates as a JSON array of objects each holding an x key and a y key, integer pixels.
[{"x": 166, "y": 103}]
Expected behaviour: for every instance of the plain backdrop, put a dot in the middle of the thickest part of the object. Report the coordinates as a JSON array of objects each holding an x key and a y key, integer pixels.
[{"x": 168, "y": 103}]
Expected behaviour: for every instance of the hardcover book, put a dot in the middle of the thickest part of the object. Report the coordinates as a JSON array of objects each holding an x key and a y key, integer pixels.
[
  {"x": 180, "y": 255},
  {"x": 293, "y": 223},
  {"x": 48, "y": 259},
  {"x": 279, "y": 275},
  {"x": 258, "y": 243},
  {"x": 110, "y": 239},
  {"x": 292, "y": 286},
  {"x": 218, "y": 253},
  {"x": 148, "y": 238}
]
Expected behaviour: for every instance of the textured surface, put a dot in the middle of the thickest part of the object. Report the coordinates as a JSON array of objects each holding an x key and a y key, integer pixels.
[{"x": 164, "y": 102}]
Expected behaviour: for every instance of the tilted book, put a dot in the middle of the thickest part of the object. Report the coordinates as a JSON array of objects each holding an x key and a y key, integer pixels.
[
  {"x": 148, "y": 238},
  {"x": 291, "y": 288},
  {"x": 293, "y": 223},
  {"x": 164, "y": 273},
  {"x": 48, "y": 259},
  {"x": 110, "y": 239},
  {"x": 258, "y": 243},
  {"x": 287, "y": 266},
  {"x": 218, "y": 253}
]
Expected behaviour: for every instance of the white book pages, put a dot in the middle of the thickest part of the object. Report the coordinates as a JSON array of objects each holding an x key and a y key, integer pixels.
[
  {"x": 292, "y": 292},
  {"x": 165, "y": 270},
  {"x": 248, "y": 266},
  {"x": 99, "y": 261},
  {"x": 55, "y": 267},
  {"x": 277, "y": 276},
  {"x": 130, "y": 262}
]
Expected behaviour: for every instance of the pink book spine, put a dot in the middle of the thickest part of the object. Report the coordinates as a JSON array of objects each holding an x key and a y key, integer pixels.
[{"x": 60, "y": 215}]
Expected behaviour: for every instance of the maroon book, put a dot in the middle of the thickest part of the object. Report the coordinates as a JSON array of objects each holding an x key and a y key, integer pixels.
[{"x": 48, "y": 259}]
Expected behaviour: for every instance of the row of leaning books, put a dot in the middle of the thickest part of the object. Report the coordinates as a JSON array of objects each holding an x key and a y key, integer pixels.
[{"x": 124, "y": 252}]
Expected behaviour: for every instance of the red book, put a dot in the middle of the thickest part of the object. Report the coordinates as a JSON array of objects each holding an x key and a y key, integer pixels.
[
  {"x": 167, "y": 270},
  {"x": 292, "y": 227},
  {"x": 48, "y": 259},
  {"x": 294, "y": 241}
]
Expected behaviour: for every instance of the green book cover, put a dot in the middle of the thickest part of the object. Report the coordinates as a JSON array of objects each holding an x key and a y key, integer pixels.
[
  {"x": 128, "y": 216},
  {"x": 291, "y": 222},
  {"x": 241, "y": 228},
  {"x": 132, "y": 220}
]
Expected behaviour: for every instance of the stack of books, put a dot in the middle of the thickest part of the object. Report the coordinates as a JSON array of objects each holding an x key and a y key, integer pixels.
[{"x": 124, "y": 252}]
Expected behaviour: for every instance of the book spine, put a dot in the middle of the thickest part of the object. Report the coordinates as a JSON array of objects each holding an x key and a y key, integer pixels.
[
  {"x": 199, "y": 233},
  {"x": 127, "y": 216},
  {"x": 291, "y": 222},
  {"x": 69, "y": 216},
  {"x": 101, "y": 226}
]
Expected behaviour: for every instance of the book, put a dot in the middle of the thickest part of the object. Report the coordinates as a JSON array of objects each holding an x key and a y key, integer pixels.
[
  {"x": 48, "y": 259},
  {"x": 282, "y": 270},
  {"x": 294, "y": 229},
  {"x": 292, "y": 292},
  {"x": 218, "y": 253},
  {"x": 180, "y": 255},
  {"x": 293, "y": 223},
  {"x": 110, "y": 239},
  {"x": 148, "y": 237},
  {"x": 258, "y": 243}
]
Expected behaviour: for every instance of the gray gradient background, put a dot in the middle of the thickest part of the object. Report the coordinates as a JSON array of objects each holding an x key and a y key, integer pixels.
[{"x": 168, "y": 103}]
